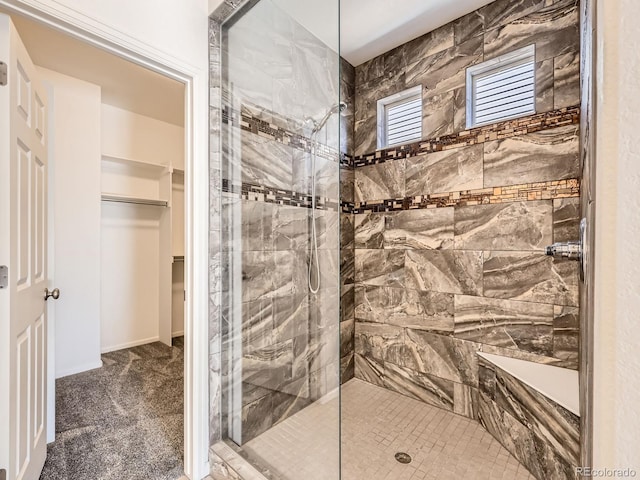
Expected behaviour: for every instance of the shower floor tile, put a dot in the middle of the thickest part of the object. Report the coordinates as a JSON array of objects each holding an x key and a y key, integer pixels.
[{"x": 376, "y": 424}]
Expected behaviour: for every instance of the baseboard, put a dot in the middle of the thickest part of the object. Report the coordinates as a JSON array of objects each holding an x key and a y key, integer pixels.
[
  {"x": 177, "y": 334},
  {"x": 79, "y": 369},
  {"x": 136, "y": 343}
]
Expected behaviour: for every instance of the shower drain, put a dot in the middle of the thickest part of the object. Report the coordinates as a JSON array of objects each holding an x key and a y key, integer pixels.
[{"x": 403, "y": 457}]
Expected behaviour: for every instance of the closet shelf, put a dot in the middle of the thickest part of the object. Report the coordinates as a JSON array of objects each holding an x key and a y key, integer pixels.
[
  {"x": 110, "y": 197},
  {"x": 135, "y": 163}
]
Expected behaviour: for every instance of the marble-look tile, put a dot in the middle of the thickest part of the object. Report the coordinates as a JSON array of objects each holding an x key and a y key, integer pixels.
[
  {"x": 369, "y": 370},
  {"x": 534, "y": 453},
  {"x": 290, "y": 316},
  {"x": 252, "y": 88},
  {"x": 566, "y": 335},
  {"x": 531, "y": 277},
  {"x": 382, "y": 181},
  {"x": 459, "y": 109},
  {"x": 256, "y": 418},
  {"x": 554, "y": 30},
  {"x": 544, "y": 86},
  {"x": 506, "y": 226},
  {"x": 487, "y": 378},
  {"x": 328, "y": 224},
  {"x": 369, "y": 230},
  {"x": 375, "y": 340},
  {"x": 471, "y": 25},
  {"x": 365, "y": 137},
  {"x": 566, "y": 219},
  {"x": 257, "y": 225},
  {"x": 437, "y": 114},
  {"x": 284, "y": 405},
  {"x": 465, "y": 399},
  {"x": 429, "y": 389},
  {"x": 257, "y": 276},
  {"x": 329, "y": 261},
  {"x": 327, "y": 174},
  {"x": 548, "y": 420},
  {"x": 502, "y": 12},
  {"x": 438, "y": 355},
  {"x": 447, "y": 171},
  {"x": 347, "y": 230},
  {"x": 567, "y": 80},
  {"x": 289, "y": 227},
  {"x": 427, "y": 229},
  {"x": 428, "y": 311},
  {"x": 368, "y": 94},
  {"x": 347, "y": 338},
  {"x": 505, "y": 323},
  {"x": 347, "y": 178},
  {"x": 369, "y": 70},
  {"x": 394, "y": 60},
  {"x": 269, "y": 366},
  {"x": 347, "y": 302},
  {"x": 266, "y": 162},
  {"x": 430, "y": 43},
  {"x": 536, "y": 157},
  {"x": 347, "y": 368},
  {"x": 347, "y": 266},
  {"x": 444, "y": 271},
  {"x": 446, "y": 70},
  {"x": 380, "y": 267}
]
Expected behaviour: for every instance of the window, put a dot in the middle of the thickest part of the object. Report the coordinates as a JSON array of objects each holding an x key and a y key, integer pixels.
[
  {"x": 400, "y": 118},
  {"x": 502, "y": 88}
]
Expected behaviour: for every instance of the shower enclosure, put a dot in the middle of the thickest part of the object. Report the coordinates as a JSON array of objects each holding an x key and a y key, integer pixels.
[{"x": 281, "y": 235}]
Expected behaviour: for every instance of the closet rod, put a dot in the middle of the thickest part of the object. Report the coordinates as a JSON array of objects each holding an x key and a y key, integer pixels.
[{"x": 134, "y": 200}]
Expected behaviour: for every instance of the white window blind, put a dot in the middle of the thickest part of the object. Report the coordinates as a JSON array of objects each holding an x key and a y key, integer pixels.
[
  {"x": 502, "y": 88},
  {"x": 400, "y": 118}
]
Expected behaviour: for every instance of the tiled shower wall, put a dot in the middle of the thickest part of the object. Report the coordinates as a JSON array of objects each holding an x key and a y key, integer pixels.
[
  {"x": 450, "y": 232},
  {"x": 347, "y": 246},
  {"x": 279, "y": 77}
]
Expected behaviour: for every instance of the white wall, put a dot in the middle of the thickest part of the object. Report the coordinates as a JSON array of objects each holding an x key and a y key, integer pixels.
[
  {"x": 132, "y": 235},
  {"x": 175, "y": 28},
  {"x": 129, "y": 135},
  {"x": 74, "y": 143},
  {"x": 617, "y": 299},
  {"x": 173, "y": 32}
]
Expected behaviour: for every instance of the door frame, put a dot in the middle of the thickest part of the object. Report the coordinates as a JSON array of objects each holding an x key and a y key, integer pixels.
[{"x": 196, "y": 390}]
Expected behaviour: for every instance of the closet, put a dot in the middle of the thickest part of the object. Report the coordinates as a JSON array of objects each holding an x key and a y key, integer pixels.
[{"x": 142, "y": 229}]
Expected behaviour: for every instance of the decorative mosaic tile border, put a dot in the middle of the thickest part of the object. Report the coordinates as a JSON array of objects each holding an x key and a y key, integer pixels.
[
  {"x": 486, "y": 196},
  {"x": 261, "y": 193},
  {"x": 250, "y": 123},
  {"x": 497, "y": 131},
  {"x": 510, "y": 128},
  {"x": 515, "y": 193}
]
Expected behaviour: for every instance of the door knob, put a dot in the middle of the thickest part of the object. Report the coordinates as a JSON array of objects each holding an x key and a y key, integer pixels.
[{"x": 55, "y": 293}]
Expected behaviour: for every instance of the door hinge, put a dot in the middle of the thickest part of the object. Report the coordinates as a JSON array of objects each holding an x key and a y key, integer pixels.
[
  {"x": 4, "y": 282},
  {"x": 3, "y": 82}
]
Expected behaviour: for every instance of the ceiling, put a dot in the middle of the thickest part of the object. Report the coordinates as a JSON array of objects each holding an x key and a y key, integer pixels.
[
  {"x": 124, "y": 84},
  {"x": 371, "y": 27}
]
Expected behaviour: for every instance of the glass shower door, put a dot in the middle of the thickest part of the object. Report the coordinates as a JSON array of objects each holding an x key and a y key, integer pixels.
[{"x": 281, "y": 202}]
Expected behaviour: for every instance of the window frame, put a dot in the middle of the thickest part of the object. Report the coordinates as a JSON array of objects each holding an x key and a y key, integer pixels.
[
  {"x": 383, "y": 106},
  {"x": 512, "y": 59}
]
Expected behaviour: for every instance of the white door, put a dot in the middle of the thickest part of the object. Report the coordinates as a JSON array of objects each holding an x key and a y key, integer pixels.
[{"x": 23, "y": 249}]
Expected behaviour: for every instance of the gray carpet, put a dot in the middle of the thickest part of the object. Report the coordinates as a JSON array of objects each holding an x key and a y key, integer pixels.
[{"x": 123, "y": 421}]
